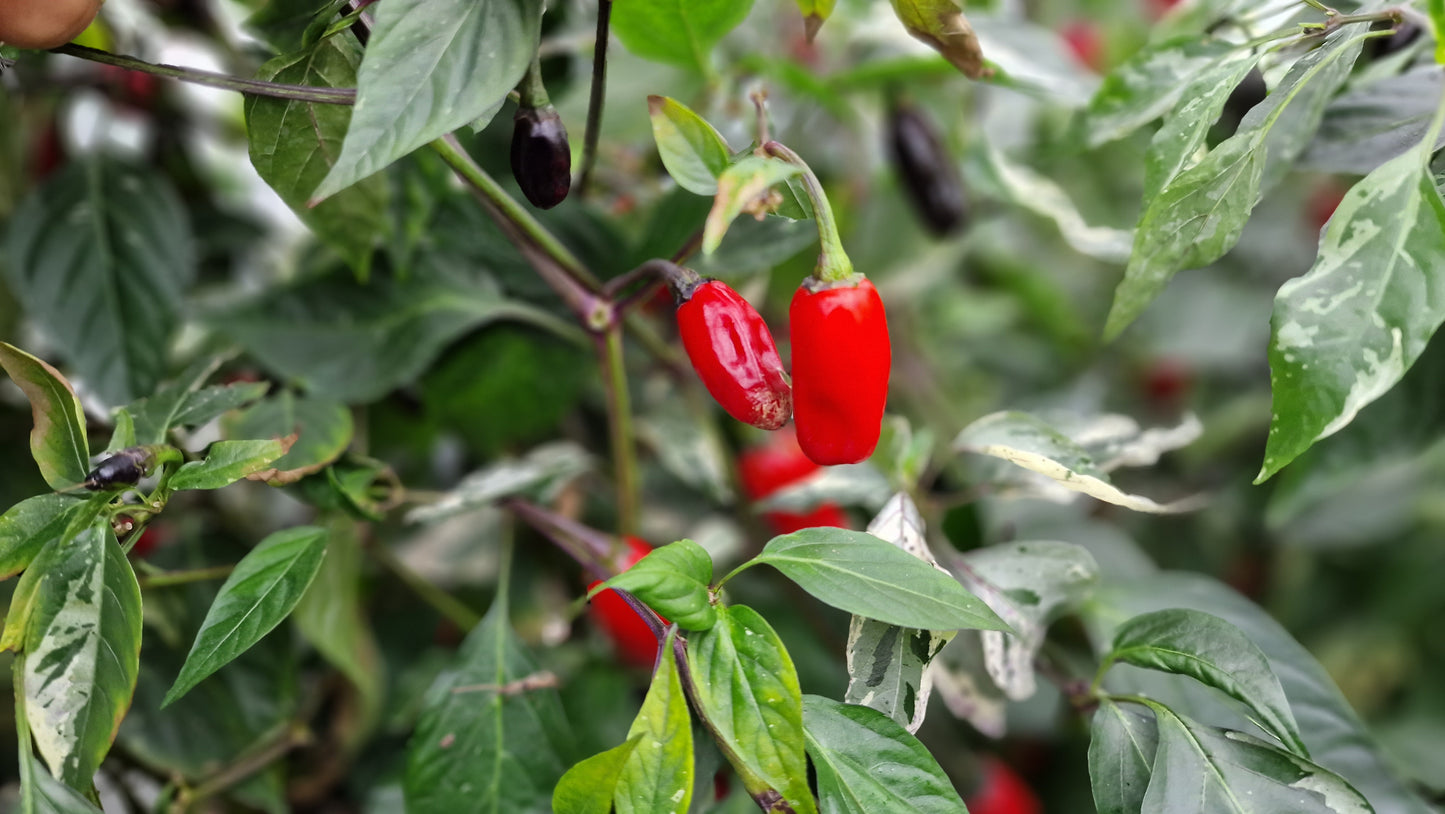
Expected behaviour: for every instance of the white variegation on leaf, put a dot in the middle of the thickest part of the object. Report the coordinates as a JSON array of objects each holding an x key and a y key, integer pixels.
[
  {"x": 849, "y": 485},
  {"x": 1043, "y": 197},
  {"x": 1039, "y": 447},
  {"x": 968, "y": 693},
  {"x": 888, "y": 665},
  {"x": 545, "y": 469}
]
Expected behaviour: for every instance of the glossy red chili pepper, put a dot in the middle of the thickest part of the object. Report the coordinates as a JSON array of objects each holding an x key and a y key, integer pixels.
[
  {"x": 1002, "y": 792},
  {"x": 541, "y": 156},
  {"x": 733, "y": 352},
  {"x": 766, "y": 469},
  {"x": 634, "y": 640},
  {"x": 841, "y": 361}
]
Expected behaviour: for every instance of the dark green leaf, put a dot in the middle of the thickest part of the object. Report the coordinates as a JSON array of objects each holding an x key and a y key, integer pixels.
[
  {"x": 1200, "y": 214},
  {"x": 323, "y": 431},
  {"x": 867, "y": 763},
  {"x": 227, "y": 462},
  {"x": 1147, "y": 85},
  {"x": 678, "y": 32},
  {"x": 356, "y": 342},
  {"x": 1121, "y": 757},
  {"x": 1375, "y": 122},
  {"x": 1347, "y": 331},
  {"x": 82, "y": 652},
  {"x": 262, "y": 591},
  {"x": 657, "y": 776},
  {"x": 692, "y": 151},
  {"x": 155, "y": 414},
  {"x": 100, "y": 256},
  {"x": 29, "y": 525},
  {"x": 1214, "y": 652},
  {"x": 57, "y": 437},
  {"x": 294, "y": 144},
  {"x": 863, "y": 575},
  {"x": 587, "y": 787},
  {"x": 492, "y": 736},
  {"x": 747, "y": 688},
  {"x": 431, "y": 67},
  {"x": 673, "y": 580}
]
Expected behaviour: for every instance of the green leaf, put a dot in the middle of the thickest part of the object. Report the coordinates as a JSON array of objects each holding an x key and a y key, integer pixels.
[
  {"x": 1436, "y": 10},
  {"x": 123, "y": 436},
  {"x": 1200, "y": 214},
  {"x": 229, "y": 461},
  {"x": 545, "y": 470},
  {"x": 1206, "y": 770},
  {"x": 1374, "y": 122},
  {"x": 332, "y": 618},
  {"x": 323, "y": 431},
  {"x": 430, "y": 67},
  {"x": 673, "y": 580},
  {"x": 1040, "y": 195},
  {"x": 294, "y": 144},
  {"x": 41, "y": 793},
  {"x": 1346, "y": 332},
  {"x": 866, "y": 576},
  {"x": 867, "y": 763},
  {"x": 587, "y": 787},
  {"x": 155, "y": 414},
  {"x": 1121, "y": 757},
  {"x": 262, "y": 591},
  {"x": 100, "y": 256},
  {"x": 1215, "y": 653},
  {"x": 941, "y": 25},
  {"x": 82, "y": 652},
  {"x": 1336, "y": 738},
  {"x": 1184, "y": 131},
  {"x": 1022, "y": 439},
  {"x": 693, "y": 152},
  {"x": 57, "y": 437},
  {"x": 658, "y": 775},
  {"x": 677, "y": 32},
  {"x": 1147, "y": 85},
  {"x": 29, "y": 525},
  {"x": 356, "y": 342},
  {"x": 747, "y": 689},
  {"x": 742, "y": 187},
  {"x": 492, "y": 736}
]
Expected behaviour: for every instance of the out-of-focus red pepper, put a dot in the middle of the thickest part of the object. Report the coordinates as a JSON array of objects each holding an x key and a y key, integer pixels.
[
  {"x": 1002, "y": 792},
  {"x": 775, "y": 465}
]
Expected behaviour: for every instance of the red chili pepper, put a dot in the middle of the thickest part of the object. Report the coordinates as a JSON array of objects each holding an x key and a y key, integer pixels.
[
  {"x": 1002, "y": 792},
  {"x": 841, "y": 361},
  {"x": 766, "y": 469},
  {"x": 733, "y": 352},
  {"x": 634, "y": 640}
]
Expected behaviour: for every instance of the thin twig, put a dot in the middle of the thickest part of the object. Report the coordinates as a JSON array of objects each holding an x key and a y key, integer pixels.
[
  {"x": 595, "y": 100},
  {"x": 251, "y": 87},
  {"x": 170, "y": 578}
]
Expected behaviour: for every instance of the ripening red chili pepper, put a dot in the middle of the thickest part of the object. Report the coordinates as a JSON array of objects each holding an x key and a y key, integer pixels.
[
  {"x": 929, "y": 174},
  {"x": 541, "y": 156},
  {"x": 733, "y": 352},
  {"x": 634, "y": 640},
  {"x": 1002, "y": 792},
  {"x": 779, "y": 463},
  {"x": 841, "y": 362}
]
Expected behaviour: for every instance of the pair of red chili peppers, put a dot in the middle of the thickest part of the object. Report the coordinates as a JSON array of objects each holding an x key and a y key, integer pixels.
[{"x": 841, "y": 362}]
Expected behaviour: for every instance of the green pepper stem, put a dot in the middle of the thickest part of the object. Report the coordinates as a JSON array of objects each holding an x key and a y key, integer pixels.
[
  {"x": 833, "y": 263},
  {"x": 531, "y": 93}
]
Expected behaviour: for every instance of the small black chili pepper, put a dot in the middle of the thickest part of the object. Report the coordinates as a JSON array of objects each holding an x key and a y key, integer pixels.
[
  {"x": 929, "y": 174},
  {"x": 124, "y": 468},
  {"x": 541, "y": 156},
  {"x": 1250, "y": 91},
  {"x": 1378, "y": 47}
]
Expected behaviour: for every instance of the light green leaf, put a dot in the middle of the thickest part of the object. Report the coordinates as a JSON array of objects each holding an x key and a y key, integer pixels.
[
  {"x": 543, "y": 470},
  {"x": 1032, "y": 444},
  {"x": 1040, "y": 195},
  {"x": 1346, "y": 332},
  {"x": 747, "y": 688},
  {"x": 323, "y": 430},
  {"x": 262, "y": 591},
  {"x": 1147, "y": 85},
  {"x": 82, "y": 652},
  {"x": 866, "y": 576},
  {"x": 673, "y": 580},
  {"x": 815, "y": 13},
  {"x": 28, "y": 526},
  {"x": 294, "y": 144},
  {"x": 658, "y": 775},
  {"x": 941, "y": 25},
  {"x": 492, "y": 736},
  {"x": 587, "y": 787},
  {"x": 1175, "y": 145},
  {"x": 1200, "y": 214},
  {"x": 743, "y": 187},
  {"x": 677, "y": 32},
  {"x": 867, "y": 763},
  {"x": 99, "y": 256},
  {"x": 40, "y": 792},
  {"x": 693, "y": 152},
  {"x": 1215, "y": 653},
  {"x": 1121, "y": 756},
  {"x": 229, "y": 461},
  {"x": 57, "y": 436},
  {"x": 431, "y": 67}
]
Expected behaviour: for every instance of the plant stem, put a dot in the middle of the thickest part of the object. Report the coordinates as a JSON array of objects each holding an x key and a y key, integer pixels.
[
  {"x": 247, "y": 765},
  {"x": 598, "y": 94},
  {"x": 833, "y": 263},
  {"x": 619, "y": 426},
  {"x": 169, "y": 578},
  {"x": 440, "y": 601},
  {"x": 251, "y": 87}
]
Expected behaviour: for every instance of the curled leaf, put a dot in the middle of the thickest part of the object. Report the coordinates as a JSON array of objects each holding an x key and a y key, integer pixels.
[{"x": 941, "y": 25}]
